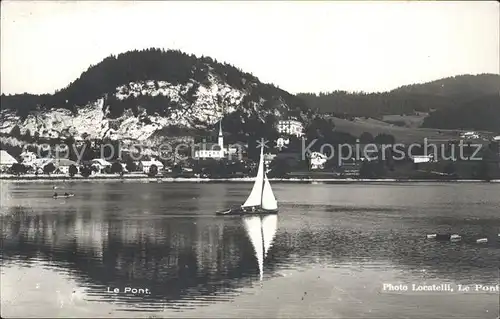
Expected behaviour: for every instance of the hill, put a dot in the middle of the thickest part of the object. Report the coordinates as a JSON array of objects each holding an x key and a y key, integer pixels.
[
  {"x": 137, "y": 94},
  {"x": 463, "y": 86},
  {"x": 406, "y": 100},
  {"x": 480, "y": 114}
]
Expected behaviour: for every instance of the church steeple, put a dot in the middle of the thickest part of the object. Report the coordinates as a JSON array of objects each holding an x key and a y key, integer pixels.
[{"x": 221, "y": 139}]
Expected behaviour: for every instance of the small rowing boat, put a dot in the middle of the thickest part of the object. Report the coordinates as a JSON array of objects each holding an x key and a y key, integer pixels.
[{"x": 63, "y": 196}]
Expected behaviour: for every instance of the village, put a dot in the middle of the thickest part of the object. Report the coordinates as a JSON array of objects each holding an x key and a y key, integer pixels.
[{"x": 284, "y": 157}]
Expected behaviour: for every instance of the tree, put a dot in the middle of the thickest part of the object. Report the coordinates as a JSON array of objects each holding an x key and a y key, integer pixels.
[
  {"x": 371, "y": 169},
  {"x": 85, "y": 171},
  {"x": 18, "y": 169},
  {"x": 177, "y": 169},
  {"x": 49, "y": 168},
  {"x": 16, "y": 131},
  {"x": 73, "y": 170},
  {"x": 131, "y": 167},
  {"x": 116, "y": 168},
  {"x": 385, "y": 139},
  {"x": 70, "y": 143},
  {"x": 279, "y": 167},
  {"x": 153, "y": 170},
  {"x": 366, "y": 138},
  {"x": 221, "y": 169}
]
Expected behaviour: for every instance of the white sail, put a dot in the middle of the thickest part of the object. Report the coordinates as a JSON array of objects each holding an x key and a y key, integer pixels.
[
  {"x": 268, "y": 200},
  {"x": 253, "y": 227},
  {"x": 269, "y": 227},
  {"x": 261, "y": 232},
  {"x": 255, "y": 197}
]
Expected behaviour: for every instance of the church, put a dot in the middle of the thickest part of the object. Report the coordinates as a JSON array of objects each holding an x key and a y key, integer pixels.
[{"x": 211, "y": 150}]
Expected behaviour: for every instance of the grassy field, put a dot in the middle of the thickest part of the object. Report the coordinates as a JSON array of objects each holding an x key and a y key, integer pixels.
[
  {"x": 411, "y": 121},
  {"x": 402, "y": 134}
]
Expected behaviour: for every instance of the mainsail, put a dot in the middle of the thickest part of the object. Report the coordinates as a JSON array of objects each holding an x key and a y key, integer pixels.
[
  {"x": 255, "y": 197},
  {"x": 262, "y": 193},
  {"x": 261, "y": 232}
]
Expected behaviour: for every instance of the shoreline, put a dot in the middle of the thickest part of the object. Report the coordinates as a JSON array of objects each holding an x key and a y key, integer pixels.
[{"x": 143, "y": 178}]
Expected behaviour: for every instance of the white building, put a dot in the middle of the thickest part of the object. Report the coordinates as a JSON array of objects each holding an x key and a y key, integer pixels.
[
  {"x": 268, "y": 158},
  {"x": 27, "y": 157},
  {"x": 145, "y": 166},
  {"x": 470, "y": 135},
  {"x": 211, "y": 150},
  {"x": 282, "y": 142},
  {"x": 63, "y": 164},
  {"x": 6, "y": 160},
  {"x": 317, "y": 160},
  {"x": 100, "y": 164},
  {"x": 290, "y": 127},
  {"x": 422, "y": 159}
]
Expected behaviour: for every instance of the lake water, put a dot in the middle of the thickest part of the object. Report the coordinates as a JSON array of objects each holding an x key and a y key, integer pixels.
[{"x": 329, "y": 253}]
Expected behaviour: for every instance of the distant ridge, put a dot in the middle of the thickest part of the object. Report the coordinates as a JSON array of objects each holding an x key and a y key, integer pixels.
[{"x": 446, "y": 95}]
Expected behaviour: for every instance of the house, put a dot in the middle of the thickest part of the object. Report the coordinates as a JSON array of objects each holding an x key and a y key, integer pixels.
[
  {"x": 100, "y": 164},
  {"x": 238, "y": 149},
  {"x": 268, "y": 158},
  {"x": 27, "y": 157},
  {"x": 38, "y": 164},
  {"x": 62, "y": 165},
  {"x": 282, "y": 142},
  {"x": 422, "y": 159},
  {"x": 6, "y": 160},
  {"x": 145, "y": 166},
  {"x": 469, "y": 135},
  {"x": 208, "y": 150},
  {"x": 290, "y": 127},
  {"x": 317, "y": 160}
]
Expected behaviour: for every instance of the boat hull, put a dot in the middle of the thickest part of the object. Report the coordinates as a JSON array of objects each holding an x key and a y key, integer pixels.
[
  {"x": 238, "y": 211},
  {"x": 62, "y": 196}
]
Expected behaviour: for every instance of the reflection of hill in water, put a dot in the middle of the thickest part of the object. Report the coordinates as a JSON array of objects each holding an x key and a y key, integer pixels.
[
  {"x": 185, "y": 258},
  {"x": 174, "y": 258}
]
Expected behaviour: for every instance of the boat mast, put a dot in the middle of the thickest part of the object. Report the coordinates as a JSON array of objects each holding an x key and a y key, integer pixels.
[{"x": 263, "y": 174}]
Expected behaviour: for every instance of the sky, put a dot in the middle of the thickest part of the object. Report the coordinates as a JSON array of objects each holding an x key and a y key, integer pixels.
[{"x": 298, "y": 46}]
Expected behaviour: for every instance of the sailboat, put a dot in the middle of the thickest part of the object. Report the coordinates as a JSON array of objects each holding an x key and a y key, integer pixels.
[
  {"x": 261, "y": 231},
  {"x": 261, "y": 199}
]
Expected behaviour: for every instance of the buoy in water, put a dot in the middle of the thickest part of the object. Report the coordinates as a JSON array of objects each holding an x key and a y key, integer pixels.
[{"x": 444, "y": 236}]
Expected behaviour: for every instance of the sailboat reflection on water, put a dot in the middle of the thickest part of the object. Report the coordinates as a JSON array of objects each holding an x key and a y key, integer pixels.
[
  {"x": 261, "y": 231},
  {"x": 261, "y": 199}
]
